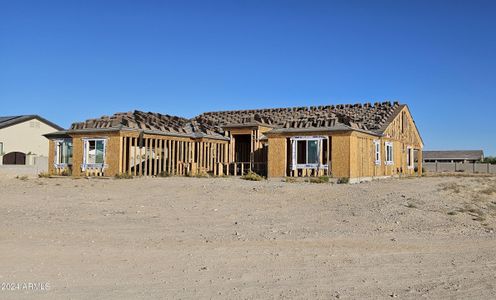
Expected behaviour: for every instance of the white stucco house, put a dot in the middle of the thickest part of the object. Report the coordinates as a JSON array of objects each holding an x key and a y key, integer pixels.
[{"x": 21, "y": 138}]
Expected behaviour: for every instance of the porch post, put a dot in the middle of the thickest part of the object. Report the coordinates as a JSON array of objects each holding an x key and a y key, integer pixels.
[{"x": 328, "y": 156}]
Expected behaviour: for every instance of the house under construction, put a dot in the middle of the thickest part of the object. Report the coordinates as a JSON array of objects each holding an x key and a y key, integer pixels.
[{"x": 357, "y": 141}]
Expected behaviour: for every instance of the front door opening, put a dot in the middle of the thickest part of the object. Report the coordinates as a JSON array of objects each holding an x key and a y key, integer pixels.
[{"x": 242, "y": 147}]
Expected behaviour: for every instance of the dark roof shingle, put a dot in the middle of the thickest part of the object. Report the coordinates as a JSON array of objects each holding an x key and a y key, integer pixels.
[{"x": 12, "y": 120}]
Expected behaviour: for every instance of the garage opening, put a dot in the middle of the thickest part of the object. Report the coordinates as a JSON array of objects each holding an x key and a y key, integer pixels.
[{"x": 14, "y": 158}]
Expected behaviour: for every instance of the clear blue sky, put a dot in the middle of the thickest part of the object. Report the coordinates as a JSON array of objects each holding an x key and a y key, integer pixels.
[{"x": 73, "y": 60}]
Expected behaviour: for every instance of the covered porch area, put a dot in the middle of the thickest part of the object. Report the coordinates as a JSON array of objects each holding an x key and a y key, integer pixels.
[{"x": 247, "y": 149}]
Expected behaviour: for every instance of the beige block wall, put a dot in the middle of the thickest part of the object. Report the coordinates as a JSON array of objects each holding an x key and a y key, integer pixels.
[
  {"x": 24, "y": 138},
  {"x": 277, "y": 160}
]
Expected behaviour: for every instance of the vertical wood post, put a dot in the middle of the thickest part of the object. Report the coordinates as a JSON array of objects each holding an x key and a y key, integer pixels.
[
  {"x": 121, "y": 147},
  {"x": 173, "y": 157},
  {"x": 124, "y": 156},
  {"x": 146, "y": 157}
]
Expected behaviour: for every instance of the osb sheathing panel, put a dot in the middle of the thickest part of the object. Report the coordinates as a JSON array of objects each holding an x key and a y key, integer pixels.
[
  {"x": 277, "y": 159},
  {"x": 363, "y": 158},
  {"x": 264, "y": 129},
  {"x": 362, "y": 162},
  {"x": 353, "y": 155},
  {"x": 112, "y": 156},
  {"x": 113, "y": 153},
  {"x": 51, "y": 157},
  {"x": 163, "y": 137},
  {"x": 311, "y": 133},
  {"x": 409, "y": 135},
  {"x": 402, "y": 133},
  {"x": 341, "y": 152},
  {"x": 240, "y": 131}
]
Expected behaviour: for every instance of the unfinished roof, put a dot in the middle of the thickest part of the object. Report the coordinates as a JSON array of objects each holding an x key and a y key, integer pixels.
[
  {"x": 150, "y": 122},
  {"x": 453, "y": 155},
  {"x": 368, "y": 117},
  {"x": 372, "y": 118},
  {"x": 12, "y": 120}
]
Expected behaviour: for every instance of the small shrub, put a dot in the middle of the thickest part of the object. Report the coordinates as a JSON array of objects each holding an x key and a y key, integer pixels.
[
  {"x": 321, "y": 179},
  {"x": 411, "y": 205},
  {"x": 289, "y": 180},
  {"x": 451, "y": 187},
  {"x": 23, "y": 178},
  {"x": 416, "y": 169},
  {"x": 343, "y": 180},
  {"x": 123, "y": 176},
  {"x": 476, "y": 211},
  {"x": 44, "y": 175},
  {"x": 489, "y": 191},
  {"x": 452, "y": 213},
  {"x": 66, "y": 172},
  {"x": 479, "y": 219},
  {"x": 201, "y": 175},
  {"x": 252, "y": 176}
]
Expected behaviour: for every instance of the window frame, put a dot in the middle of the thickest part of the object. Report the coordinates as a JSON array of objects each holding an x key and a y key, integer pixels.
[
  {"x": 56, "y": 157},
  {"x": 320, "y": 148},
  {"x": 388, "y": 146},
  {"x": 86, "y": 143},
  {"x": 1, "y": 148},
  {"x": 377, "y": 152}
]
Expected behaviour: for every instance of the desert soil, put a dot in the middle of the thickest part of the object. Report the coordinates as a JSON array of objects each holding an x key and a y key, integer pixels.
[{"x": 235, "y": 239}]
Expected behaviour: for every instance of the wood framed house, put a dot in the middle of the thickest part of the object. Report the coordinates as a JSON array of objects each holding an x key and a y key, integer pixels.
[{"x": 359, "y": 141}]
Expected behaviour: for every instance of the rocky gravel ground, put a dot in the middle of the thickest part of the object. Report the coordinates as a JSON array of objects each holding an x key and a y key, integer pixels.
[{"x": 230, "y": 238}]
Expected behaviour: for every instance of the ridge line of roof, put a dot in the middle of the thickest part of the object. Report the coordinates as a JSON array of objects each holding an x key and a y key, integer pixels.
[{"x": 13, "y": 120}]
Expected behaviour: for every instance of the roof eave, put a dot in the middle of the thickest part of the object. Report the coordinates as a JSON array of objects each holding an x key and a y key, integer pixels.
[
  {"x": 25, "y": 118},
  {"x": 342, "y": 128},
  {"x": 117, "y": 129}
]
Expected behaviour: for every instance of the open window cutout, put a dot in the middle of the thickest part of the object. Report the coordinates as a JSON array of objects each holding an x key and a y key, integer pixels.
[{"x": 409, "y": 158}]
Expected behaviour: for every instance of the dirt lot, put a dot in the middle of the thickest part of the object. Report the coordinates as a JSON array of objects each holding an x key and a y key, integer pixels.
[{"x": 230, "y": 238}]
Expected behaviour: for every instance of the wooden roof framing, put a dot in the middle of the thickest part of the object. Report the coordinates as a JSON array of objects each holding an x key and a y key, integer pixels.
[{"x": 372, "y": 118}]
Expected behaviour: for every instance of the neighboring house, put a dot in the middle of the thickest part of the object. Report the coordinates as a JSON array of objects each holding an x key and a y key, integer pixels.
[
  {"x": 459, "y": 156},
  {"x": 23, "y": 135},
  {"x": 358, "y": 141}
]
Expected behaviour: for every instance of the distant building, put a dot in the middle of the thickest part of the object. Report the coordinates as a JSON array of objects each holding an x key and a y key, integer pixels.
[
  {"x": 23, "y": 135},
  {"x": 459, "y": 156}
]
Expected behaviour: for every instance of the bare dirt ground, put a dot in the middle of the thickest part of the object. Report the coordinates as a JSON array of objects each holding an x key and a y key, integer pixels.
[{"x": 230, "y": 238}]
